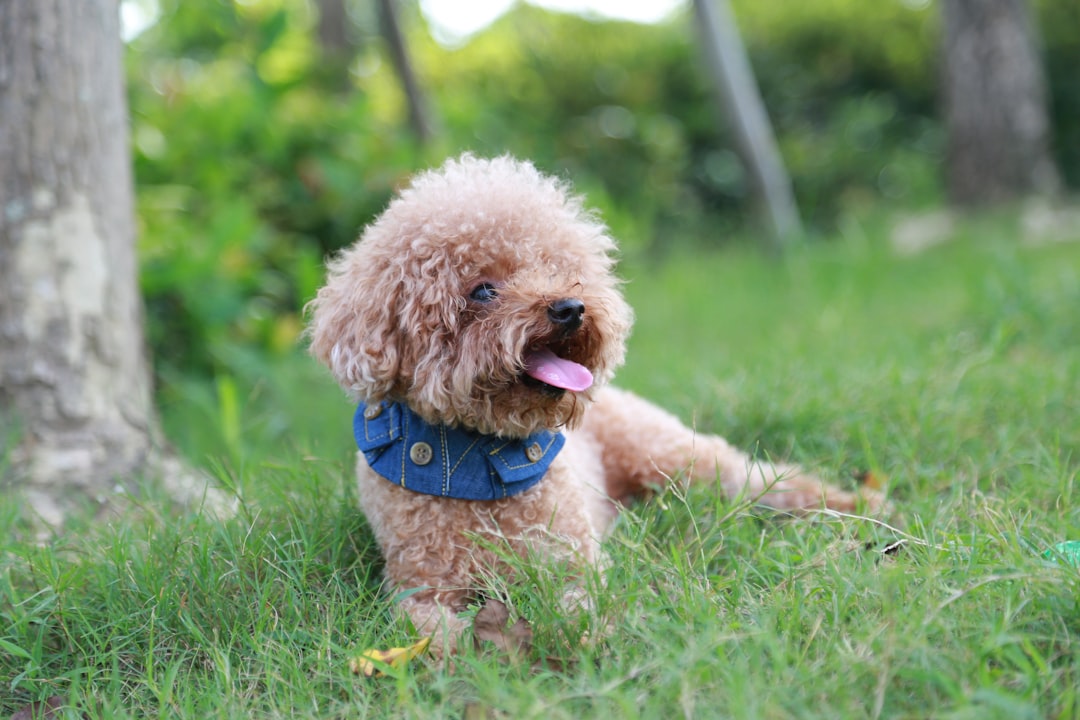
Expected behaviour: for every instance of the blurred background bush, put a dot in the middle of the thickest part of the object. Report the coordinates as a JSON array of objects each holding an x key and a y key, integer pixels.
[{"x": 260, "y": 149}]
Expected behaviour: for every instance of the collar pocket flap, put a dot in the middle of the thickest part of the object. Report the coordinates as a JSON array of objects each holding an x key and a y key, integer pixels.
[
  {"x": 517, "y": 461},
  {"x": 376, "y": 427}
]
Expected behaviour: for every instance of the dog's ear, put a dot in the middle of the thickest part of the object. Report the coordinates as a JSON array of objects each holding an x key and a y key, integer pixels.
[{"x": 352, "y": 326}]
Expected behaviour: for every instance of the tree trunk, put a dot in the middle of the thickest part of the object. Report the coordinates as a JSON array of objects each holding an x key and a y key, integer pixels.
[
  {"x": 76, "y": 412},
  {"x": 333, "y": 28},
  {"x": 420, "y": 116},
  {"x": 740, "y": 102},
  {"x": 998, "y": 128},
  {"x": 335, "y": 43}
]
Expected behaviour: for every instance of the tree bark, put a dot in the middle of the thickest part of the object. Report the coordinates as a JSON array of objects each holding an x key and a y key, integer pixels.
[
  {"x": 76, "y": 411},
  {"x": 997, "y": 124}
]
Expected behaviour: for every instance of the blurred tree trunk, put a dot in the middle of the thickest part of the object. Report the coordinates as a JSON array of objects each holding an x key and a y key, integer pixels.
[
  {"x": 333, "y": 28},
  {"x": 998, "y": 127},
  {"x": 335, "y": 42},
  {"x": 76, "y": 410},
  {"x": 420, "y": 116},
  {"x": 740, "y": 102}
]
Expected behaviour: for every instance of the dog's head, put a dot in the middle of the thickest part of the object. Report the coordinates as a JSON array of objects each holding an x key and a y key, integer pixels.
[{"x": 483, "y": 297}]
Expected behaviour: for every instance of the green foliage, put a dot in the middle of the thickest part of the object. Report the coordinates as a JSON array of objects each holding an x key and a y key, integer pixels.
[
  {"x": 850, "y": 87},
  {"x": 257, "y": 153},
  {"x": 618, "y": 107},
  {"x": 627, "y": 108},
  {"x": 251, "y": 166}
]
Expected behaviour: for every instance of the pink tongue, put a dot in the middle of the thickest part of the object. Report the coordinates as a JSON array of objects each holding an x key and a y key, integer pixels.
[{"x": 549, "y": 368}]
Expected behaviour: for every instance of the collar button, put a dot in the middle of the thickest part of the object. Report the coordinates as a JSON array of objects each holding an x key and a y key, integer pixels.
[
  {"x": 420, "y": 453},
  {"x": 534, "y": 452},
  {"x": 372, "y": 411}
]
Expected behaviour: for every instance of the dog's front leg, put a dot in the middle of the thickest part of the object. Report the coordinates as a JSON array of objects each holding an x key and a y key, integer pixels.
[{"x": 436, "y": 615}]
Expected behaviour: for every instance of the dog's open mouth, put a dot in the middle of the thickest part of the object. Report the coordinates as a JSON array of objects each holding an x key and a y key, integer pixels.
[{"x": 557, "y": 373}]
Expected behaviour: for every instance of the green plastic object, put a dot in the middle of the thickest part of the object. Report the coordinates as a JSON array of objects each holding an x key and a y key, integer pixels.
[{"x": 1067, "y": 552}]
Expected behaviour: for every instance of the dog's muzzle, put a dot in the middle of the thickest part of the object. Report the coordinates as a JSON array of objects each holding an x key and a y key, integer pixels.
[{"x": 543, "y": 364}]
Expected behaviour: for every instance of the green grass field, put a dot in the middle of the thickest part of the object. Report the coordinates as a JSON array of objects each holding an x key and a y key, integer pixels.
[{"x": 955, "y": 374}]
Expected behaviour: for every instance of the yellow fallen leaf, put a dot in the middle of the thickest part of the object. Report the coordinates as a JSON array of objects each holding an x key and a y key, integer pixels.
[{"x": 394, "y": 657}]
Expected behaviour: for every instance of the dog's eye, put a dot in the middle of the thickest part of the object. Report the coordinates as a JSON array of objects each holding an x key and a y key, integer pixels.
[{"x": 484, "y": 292}]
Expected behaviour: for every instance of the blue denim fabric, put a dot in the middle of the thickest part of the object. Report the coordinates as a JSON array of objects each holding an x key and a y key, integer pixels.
[{"x": 457, "y": 463}]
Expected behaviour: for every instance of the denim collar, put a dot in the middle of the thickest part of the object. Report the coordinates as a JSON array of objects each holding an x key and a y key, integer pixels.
[{"x": 450, "y": 462}]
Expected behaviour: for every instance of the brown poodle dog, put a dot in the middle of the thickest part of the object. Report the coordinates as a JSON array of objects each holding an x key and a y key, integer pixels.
[{"x": 477, "y": 322}]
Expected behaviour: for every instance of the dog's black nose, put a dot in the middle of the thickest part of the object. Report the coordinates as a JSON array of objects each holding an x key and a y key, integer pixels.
[{"x": 567, "y": 313}]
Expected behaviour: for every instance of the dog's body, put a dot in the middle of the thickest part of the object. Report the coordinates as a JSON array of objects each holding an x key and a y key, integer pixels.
[{"x": 483, "y": 303}]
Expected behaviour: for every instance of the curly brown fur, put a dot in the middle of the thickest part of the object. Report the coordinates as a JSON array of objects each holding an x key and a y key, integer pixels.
[{"x": 440, "y": 305}]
